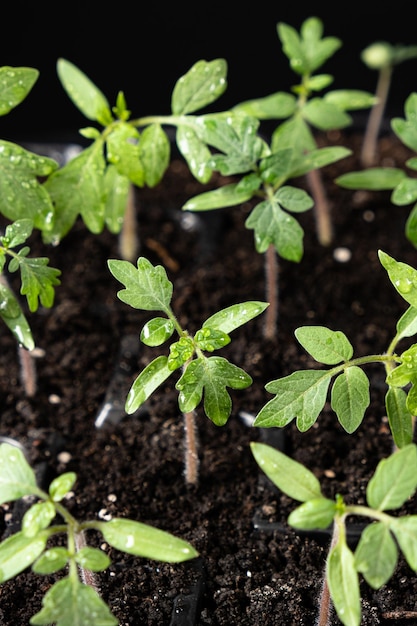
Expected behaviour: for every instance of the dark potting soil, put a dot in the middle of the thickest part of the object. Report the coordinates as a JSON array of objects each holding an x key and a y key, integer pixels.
[{"x": 253, "y": 568}]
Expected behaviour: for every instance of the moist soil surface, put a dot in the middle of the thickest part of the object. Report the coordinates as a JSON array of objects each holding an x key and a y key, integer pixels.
[{"x": 253, "y": 568}]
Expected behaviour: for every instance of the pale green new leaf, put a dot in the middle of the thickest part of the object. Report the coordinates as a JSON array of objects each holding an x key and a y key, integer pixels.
[
  {"x": 199, "y": 87},
  {"x": 145, "y": 384},
  {"x": 92, "y": 559},
  {"x": 16, "y": 234},
  {"x": 406, "y": 372},
  {"x": 343, "y": 584},
  {"x": 76, "y": 189},
  {"x": 325, "y": 115},
  {"x": 17, "y": 478},
  {"x": 72, "y": 603},
  {"x": 315, "y": 513},
  {"x": 21, "y": 193},
  {"x": 116, "y": 191},
  {"x": 84, "y": 94},
  {"x": 15, "y": 85},
  {"x": 325, "y": 345},
  {"x": 276, "y": 106},
  {"x": 350, "y": 397},
  {"x": 402, "y": 276},
  {"x": 372, "y": 179},
  {"x": 405, "y": 192},
  {"x": 154, "y": 152},
  {"x": 399, "y": 417},
  {"x": 147, "y": 286},
  {"x": 14, "y": 318},
  {"x": 122, "y": 149},
  {"x": 274, "y": 226},
  {"x": 18, "y": 552},
  {"x": 302, "y": 395},
  {"x": 211, "y": 376},
  {"x": 146, "y": 541},
  {"x": 38, "y": 517},
  {"x": 227, "y": 195},
  {"x": 236, "y": 315},
  {"x": 61, "y": 485},
  {"x": 195, "y": 152},
  {"x": 394, "y": 480},
  {"x": 291, "y": 477},
  {"x": 405, "y": 531},
  {"x": 376, "y": 555}
]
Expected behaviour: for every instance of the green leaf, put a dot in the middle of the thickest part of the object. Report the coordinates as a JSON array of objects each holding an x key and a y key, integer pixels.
[
  {"x": 17, "y": 478},
  {"x": 210, "y": 339},
  {"x": 51, "y": 561},
  {"x": 21, "y": 193},
  {"x": 146, "y": 541},
  {"x": 212, "y": 376},
  {"x": 394, "y": 480},
  {"x": 302, "y": 395},
  {"x": 325, "y": 115},
  {"x": 70, "y": 602},
  {"x": 350, "y": 99},
  {"x": 372, "y": 179},
  {"x": 18, "y": 552},
  {"x": 15, "y": 85},
  {"x": 38, "y": 281},
  {"x": 38, "y": 517},
  {"x": 276, "y": 106},
  {"x": 274, "y": 226},
  {"x": 122, "y": 146},
  {"x": 316, "y": 159},
  {"x": 325, "y": 345},
  {"x": 84, "y": 94},
  {"x": 17, "y": 233},
  {"x": 236, "y": 315},
  {"x": 277, "y": 167},
  {"x": 61, "y": 485},
  {"x": 199, "y": 87},
  {"x": 407, "y": 324},
  {"x": 295, "y": 134},
  {"x": 291, "y": 477},
  {"x": 406, "y": 129},
  {"x": 12, "y": 315},
  {"x": 315, "y": 513},
  {"x": 399, "y": 417},
  {"x": 154, "y": 151},
  {"x": 411, "y": 226},
  {"x": 145, "y": 384},
  {"x": 92, "y": 559},
  {"x": 146, "y": 286},
  {"x": 227, "y": 195},
  {"x": 405, "y": 531},
  {"x": 405, "y": 192},
  {"x": 116, "y": 191},
  {"x": 402, "y": 276},
  {"x": 195, "y": 152},
  {"x": 376, "y": 555},
  {"x": 76, "y": 189},
  {"x": 343, "y": 584},
  {"x": 157, "y": 331},
  {"x": 180, "y": 352},
  {"x": 406, "y": 372},
  {"x": 350, "y": 397},
  {"x": 294, "y": 199}
]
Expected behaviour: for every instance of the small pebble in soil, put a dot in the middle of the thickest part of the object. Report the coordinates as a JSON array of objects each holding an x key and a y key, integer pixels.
[{"x": 341, "y": 254}]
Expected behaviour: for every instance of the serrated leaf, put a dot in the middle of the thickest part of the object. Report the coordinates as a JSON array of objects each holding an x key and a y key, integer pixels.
[
  {"x": 236, "y": 315},
  {"x": 145, "y": 384},
  {"x": 394, "y": 480},
  {"x": 157, "y": 331},
  {"x": 146, "y": 286},
  {"x": 227, "y": 195},
  {"x": 325, "y": 345},
  {"x": 291, "y": 477},
  {"x": 372, "y": 179},
  {"x": 15, "y": 85},
  {"x": 204, "y": 82},
  {"x": 210, "y": 376},
  {"x": 376, "y": 555},
  {"x": 84, "y": 94},
  {"x": 71, "y": 603},
  {"x": 146, "y": 541},
  {"x": 78, "y": 188},
  {"x": 302, "y": 395},
  {"x": 21, "y": 193},
  {"x": 315, "y": 513},
  {"x": 399, "y": 417},
  {"x": 350, "y": 397},
  {"x": 38, "y": 281},
  {"x": 14, "y": 318},
  {"x": 405, "y": 531},
  {"x": 17, "y": 478},
  {"x": 18, "y": 552},
  {"x": 61, "y": 485},
  {"x": 273, "y": 226},
  {"x": 343, "y": 584},
  {"x": 402, "y": 276}
]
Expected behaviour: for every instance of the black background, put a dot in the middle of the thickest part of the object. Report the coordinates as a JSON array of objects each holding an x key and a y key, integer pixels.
[{"x": 143, "y": 49}]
